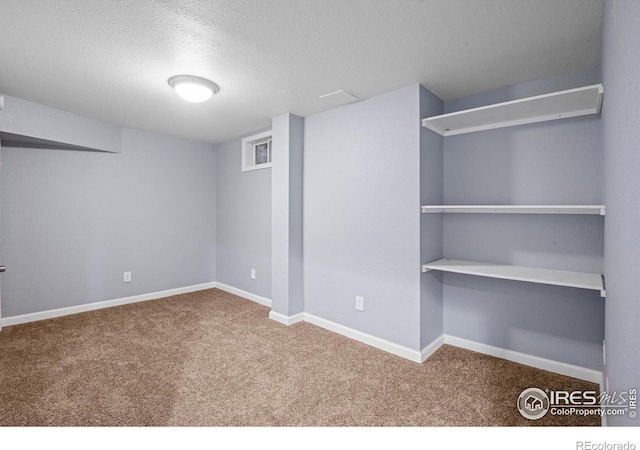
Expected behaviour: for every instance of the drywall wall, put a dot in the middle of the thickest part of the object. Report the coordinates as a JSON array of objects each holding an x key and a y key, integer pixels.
[
  {"x": 286, "y": 216},
  {"x": 22, "y": 121},
  {"x": 431, "y": 225},
  {"x": 557, "y": 162},
  {"x": 72, "y": 222},
  {"x": 621, "y": 138},
  {"x": 362, "y": 215},
  {"x": 243, "y": 222}
]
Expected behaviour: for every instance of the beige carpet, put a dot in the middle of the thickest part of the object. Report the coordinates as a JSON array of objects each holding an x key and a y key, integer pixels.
[{"x": 211, "y": 358}]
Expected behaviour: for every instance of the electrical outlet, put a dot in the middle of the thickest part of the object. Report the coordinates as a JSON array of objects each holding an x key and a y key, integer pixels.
[
  {"x": 253, "y": 274},
  {"x": 127, "y": 277},
  {"x": 359, "y": 303}
]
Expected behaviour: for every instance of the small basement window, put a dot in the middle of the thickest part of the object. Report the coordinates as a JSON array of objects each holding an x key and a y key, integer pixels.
[{"x": 256, "y": 151}]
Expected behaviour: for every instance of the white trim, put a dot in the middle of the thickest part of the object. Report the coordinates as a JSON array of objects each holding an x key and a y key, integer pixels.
[
  {"x": 50, "y": 314},
  {"x": 244, "y": 294},
  {"x": 558, "y": 367},
  {"x": 286, "y": 320},
  {"x": 382, "y": 344},
  {"x": 561, "y": 368},
  {"x": 581, "y": 373},
  {"x": 248, "y": 144},
  {"x": 258, "y": 167},
  {"x": 603, "y": 388},
  {"x": 431, "y": 348}
]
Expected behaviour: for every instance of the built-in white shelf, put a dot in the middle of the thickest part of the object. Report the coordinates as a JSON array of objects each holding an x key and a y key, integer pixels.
[
  {"x": 583, "y": 280},
  {"x": 557, "y": 105},
  {"x": 516, "y": 209}
]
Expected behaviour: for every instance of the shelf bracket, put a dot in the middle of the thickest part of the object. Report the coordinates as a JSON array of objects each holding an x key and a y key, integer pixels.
[
  {"x": 426, "y": 269},
  {"x": 602, "y": 211},
  {"x": 603, "y": 293}
]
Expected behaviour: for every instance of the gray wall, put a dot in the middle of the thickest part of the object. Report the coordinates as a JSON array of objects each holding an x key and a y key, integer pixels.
[
  {"x": 72, "y": 222},
  {"x": 621, "y": 133},
  {"x": 286, "y": 216},
  {"x": 557, "y": 162},
  {"x": 20, "y": 119},
  {"x": 362, "y": 215},
  {"x": 431, "y": 225},
  {"x": 244, "y": 222}
]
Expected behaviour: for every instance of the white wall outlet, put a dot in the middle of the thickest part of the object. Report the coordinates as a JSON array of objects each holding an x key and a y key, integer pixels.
[
  {"x": 127, "y": 277},
  {"x": 359, "y": 303},
  {"x": 253, "y": 274}
]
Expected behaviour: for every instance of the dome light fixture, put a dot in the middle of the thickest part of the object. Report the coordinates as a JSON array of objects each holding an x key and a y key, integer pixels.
[{"x": 192, "y": 88}]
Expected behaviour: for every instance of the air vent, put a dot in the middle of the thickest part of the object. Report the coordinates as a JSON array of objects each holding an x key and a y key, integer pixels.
[{"x": 338, "y": 98}]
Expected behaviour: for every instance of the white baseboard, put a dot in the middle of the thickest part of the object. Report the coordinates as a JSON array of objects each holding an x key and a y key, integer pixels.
[
  {"x": 365, "y": 338},
  {"x": 244, "y": 294},
  {"x": 558, "y": 367},
  {"x": 581, "y": 373},
  {"x": 561, "y": 368},
  {"x": 286, "y": 320},
  {"x": 431, "y": 348},
  {"x": 52, "y": 313}
]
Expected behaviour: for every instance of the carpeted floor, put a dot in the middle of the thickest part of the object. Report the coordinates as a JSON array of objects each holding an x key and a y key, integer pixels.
[{"x": 213, "y": 359}]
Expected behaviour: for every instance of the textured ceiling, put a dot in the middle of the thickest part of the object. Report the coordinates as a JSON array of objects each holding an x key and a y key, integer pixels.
[{"x": 110, "y": 59}]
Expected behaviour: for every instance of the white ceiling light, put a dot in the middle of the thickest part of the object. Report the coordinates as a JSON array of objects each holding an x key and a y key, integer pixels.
[{"x": 192, "y": 88}]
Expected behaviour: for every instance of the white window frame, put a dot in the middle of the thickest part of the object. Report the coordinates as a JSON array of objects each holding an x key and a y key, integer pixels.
[{"x": 248, "y": 151}]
